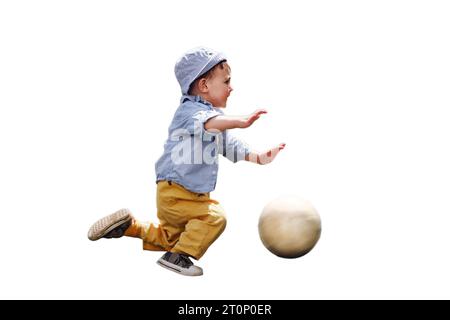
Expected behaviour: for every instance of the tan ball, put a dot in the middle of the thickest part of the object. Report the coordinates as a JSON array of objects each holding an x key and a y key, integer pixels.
[{"x": 289, "y": 226}]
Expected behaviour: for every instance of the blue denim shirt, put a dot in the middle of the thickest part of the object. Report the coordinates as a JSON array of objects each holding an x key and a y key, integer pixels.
[{"x": 190, "y": 155}]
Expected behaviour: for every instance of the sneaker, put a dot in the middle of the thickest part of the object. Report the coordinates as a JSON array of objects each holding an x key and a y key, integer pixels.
[
  {"x": 112, "y": 226},
  {"x": 179, "y": 263}
]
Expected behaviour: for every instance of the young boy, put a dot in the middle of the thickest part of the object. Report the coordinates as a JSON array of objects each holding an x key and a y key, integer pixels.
[{"x": 189, "y": 220}]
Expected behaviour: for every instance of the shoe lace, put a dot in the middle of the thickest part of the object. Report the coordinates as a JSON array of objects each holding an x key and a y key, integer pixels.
[{"x": 184, "y": 261}]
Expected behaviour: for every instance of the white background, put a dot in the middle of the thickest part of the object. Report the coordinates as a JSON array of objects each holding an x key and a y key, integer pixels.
[{"x": 358, "y": 90}]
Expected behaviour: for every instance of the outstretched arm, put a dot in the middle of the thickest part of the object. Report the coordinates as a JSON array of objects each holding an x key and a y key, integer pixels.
[
  {"x": 222, "y": 123},
  {"x": 266, "y": 156}
]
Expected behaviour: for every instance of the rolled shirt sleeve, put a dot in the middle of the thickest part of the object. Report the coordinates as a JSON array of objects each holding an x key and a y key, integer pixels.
[{"x": 201, "y": 118}]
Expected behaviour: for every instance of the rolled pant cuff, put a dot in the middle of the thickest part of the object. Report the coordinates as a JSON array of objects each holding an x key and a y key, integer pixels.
[
  {"x": 152, "y": 247},
  {"x": 192, "y": 253}
]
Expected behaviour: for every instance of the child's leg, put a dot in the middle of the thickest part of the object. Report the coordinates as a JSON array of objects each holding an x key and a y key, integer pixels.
[
  {"x": 189, "y": 222},
  {"x": 154, "y": 236},
  {"x": 207, "y": 224}
]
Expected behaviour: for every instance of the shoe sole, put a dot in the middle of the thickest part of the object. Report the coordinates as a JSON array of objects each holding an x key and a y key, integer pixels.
[
  {"x": 106, "y": 224},
  {"x": 168, "y": 266}
]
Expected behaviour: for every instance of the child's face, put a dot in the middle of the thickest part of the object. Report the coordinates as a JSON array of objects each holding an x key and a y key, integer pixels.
[{"x": 219, "y": 87}]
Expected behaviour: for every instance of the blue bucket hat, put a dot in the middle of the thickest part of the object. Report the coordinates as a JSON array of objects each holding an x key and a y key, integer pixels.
[{"x": 195, "y": 63}]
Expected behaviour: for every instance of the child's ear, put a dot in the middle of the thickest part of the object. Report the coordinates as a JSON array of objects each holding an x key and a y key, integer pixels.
[{"x": 202, "y": 85}]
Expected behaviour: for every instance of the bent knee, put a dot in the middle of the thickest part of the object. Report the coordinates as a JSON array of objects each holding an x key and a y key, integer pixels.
[
  {"x": 223, "y": 222},
  {"x": 219, "y": 220}
]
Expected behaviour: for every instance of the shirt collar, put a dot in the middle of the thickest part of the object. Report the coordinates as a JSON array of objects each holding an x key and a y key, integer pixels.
[{"x": 195, "y": 99}]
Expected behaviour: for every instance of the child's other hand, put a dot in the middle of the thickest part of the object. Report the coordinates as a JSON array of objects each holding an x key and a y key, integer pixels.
[
  {"x": 269, "y": 155},
  {"x": 248, "y": 120}
]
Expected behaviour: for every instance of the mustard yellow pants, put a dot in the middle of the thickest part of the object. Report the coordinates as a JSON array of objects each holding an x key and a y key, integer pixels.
[{"x": 188, "y": 222}]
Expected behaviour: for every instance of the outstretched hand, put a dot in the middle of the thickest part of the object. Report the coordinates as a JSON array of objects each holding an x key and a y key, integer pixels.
[
  {"x": 269, "y": 155},
  {"x": 266, "y": 156},
  {"x": 248, "y": 120}
]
